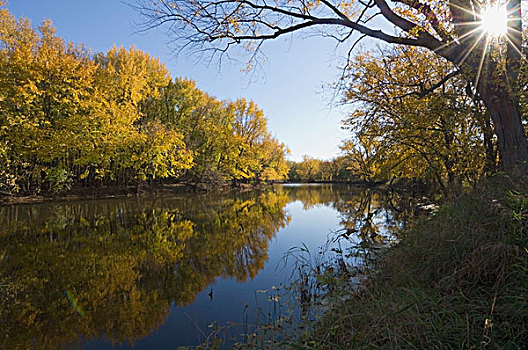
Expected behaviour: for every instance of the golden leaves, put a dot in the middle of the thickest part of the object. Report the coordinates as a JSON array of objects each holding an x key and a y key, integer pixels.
[
  {"x": 115, "y": 117},
  {"x": 404, "y": 125}
]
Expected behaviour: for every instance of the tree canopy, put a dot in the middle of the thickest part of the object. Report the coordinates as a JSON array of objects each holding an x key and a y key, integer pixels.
[
  {"x": 70, "y": 117},
  {"x": 451, "y": 29},
  {"x": 398, "y": 129}
]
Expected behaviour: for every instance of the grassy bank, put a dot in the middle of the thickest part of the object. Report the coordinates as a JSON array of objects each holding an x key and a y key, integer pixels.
[{"x": 457, "y": 280}]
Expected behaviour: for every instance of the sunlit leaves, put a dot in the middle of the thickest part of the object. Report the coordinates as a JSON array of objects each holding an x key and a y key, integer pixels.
[
  {"x": 116, "y": 118},
  {"x": 405, "y": 125},
  {"x": 229, "y": 140}
]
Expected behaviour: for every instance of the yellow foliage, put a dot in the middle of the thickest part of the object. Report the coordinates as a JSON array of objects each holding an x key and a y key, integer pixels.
[{"x": 116, "y": 118}]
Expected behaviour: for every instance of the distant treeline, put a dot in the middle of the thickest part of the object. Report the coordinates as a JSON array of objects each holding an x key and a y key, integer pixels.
[
  {"x": 338, "y": 169},
  {"x": 69, "y": 117}
]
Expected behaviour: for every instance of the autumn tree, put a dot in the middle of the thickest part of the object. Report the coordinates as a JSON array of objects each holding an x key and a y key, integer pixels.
[
  {"x": 450, "y": 29},
  {"x": 361, "y": 151},
  {"x": 47, "y": 93},
  {"x": 309, "y": 169},
  {"x": 259, "y": 155},
  {"x": 229, "y": 139},
  {"x": 401, "y": 130},
  {"x": 338, "y": 169},
  {"x": 133, "y": 145},
  {"x": 70, "y": 117}
]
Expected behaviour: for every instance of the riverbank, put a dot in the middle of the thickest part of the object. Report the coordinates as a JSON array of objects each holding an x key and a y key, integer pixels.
[
  {"x": 458, "y": 279},
  {"x": 102, "y": 192},
  {"x": 84, "y": 193}
]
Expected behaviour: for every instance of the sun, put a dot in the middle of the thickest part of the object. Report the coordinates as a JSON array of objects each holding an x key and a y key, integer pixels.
[{"x": 494, "y": 20}]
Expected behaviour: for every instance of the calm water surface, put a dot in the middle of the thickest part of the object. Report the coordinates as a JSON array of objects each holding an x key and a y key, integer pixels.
[{"x": 156, "y": 272}]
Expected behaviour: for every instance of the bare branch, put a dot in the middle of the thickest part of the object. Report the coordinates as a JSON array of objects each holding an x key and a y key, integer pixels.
[
  {"x": 206, "y": 24},
  {"x": 426, "y": 91}
]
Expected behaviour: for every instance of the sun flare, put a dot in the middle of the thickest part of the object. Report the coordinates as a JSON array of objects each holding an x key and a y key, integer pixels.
[{"x": 494, "y": 20}]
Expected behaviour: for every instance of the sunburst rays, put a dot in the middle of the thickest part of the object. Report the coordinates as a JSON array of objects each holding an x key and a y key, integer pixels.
[{"x": 492, "y": 22}]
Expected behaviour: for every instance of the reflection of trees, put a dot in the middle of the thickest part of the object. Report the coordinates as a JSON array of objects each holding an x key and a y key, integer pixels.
[
  {"x": 368, "y": 216},
  {"x": 364, "y": 212},
  {"x": 312, "y": 195},
  {"x": 122, "y": 263}
]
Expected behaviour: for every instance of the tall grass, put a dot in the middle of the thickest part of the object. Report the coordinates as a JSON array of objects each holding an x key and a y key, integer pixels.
[{"x": 457, "y": 280}]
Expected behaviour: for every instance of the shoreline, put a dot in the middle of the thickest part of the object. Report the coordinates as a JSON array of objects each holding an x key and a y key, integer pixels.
[
  {"x": 453, "y": 280},
  {"x": 91, "y": 193}
]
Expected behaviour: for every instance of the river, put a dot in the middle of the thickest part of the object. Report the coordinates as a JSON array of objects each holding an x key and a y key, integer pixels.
[{"x": 165, "y": 271}]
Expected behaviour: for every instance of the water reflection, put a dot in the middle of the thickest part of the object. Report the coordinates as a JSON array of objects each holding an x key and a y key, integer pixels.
[
  {"x": 122, "y": 262},
  {"x": 365, "y": 215},
  {"x": 112, "y": 268}
]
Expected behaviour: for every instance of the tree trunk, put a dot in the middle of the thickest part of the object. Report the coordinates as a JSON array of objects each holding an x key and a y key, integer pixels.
[
  {"x": 504, "y": 111},
  {"x": 491, "y": 151}
]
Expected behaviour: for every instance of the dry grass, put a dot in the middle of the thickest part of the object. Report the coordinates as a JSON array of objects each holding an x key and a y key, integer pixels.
[{"x": 458, "y": 280}]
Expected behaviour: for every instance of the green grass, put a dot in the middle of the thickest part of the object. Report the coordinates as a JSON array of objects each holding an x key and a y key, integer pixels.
[{"x": 457, "y": 280}]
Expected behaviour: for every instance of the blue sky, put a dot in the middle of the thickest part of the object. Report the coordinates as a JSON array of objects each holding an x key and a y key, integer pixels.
[{"x": 289, "y": 90}]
